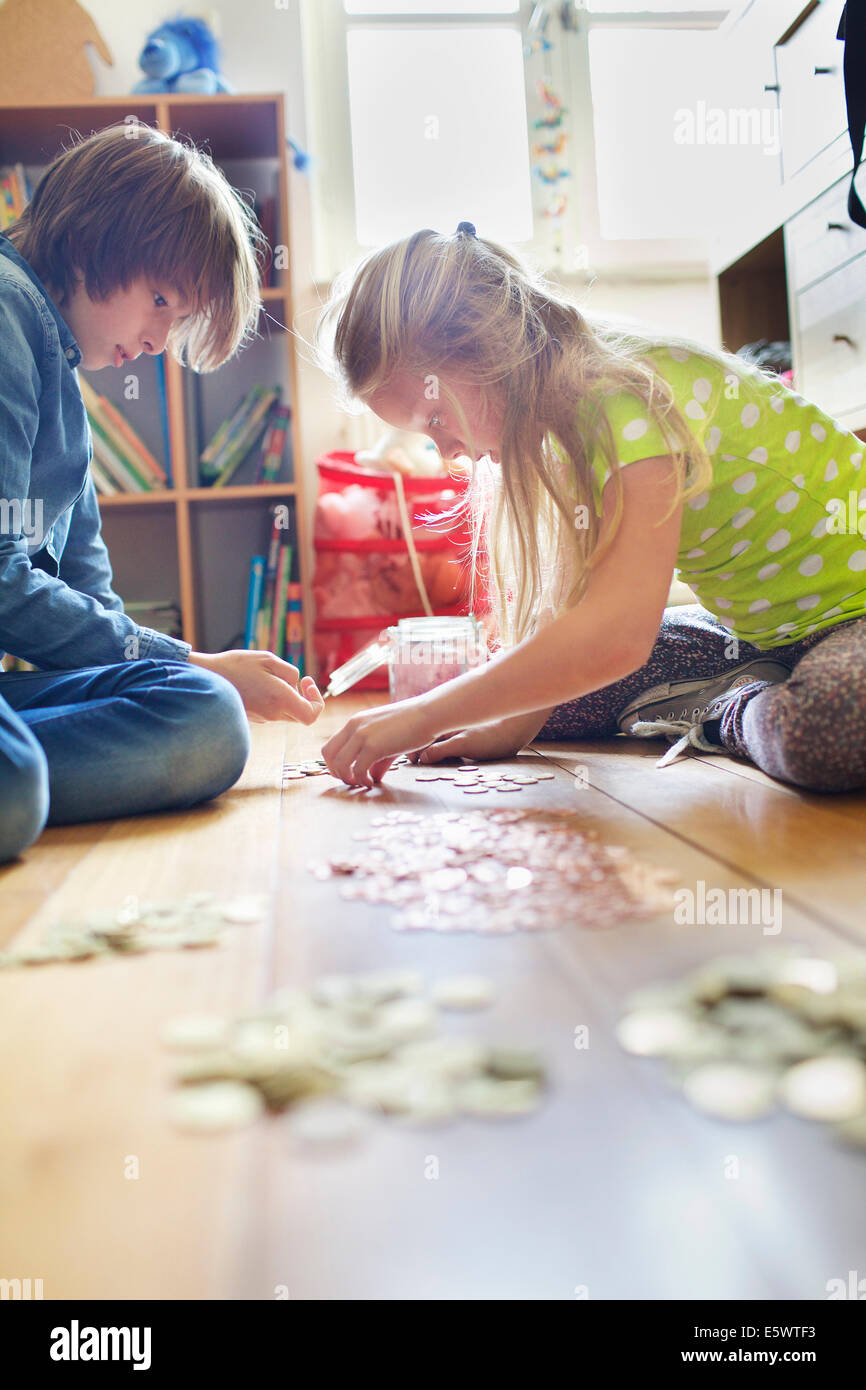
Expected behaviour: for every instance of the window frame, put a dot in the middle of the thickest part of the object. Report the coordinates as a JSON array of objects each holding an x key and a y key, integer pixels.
[{"x": 324, "y": 24}]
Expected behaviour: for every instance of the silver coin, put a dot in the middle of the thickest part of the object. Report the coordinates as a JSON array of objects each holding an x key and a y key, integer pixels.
[
  {"x": 825, "y": 1088},
  {"x": 656, "y": 1032},
  {"x": 488, "y": 1098},
  {"x": 242, "y": 911},
  {"x": 731, "y": 1092},
  {"x": 215, "y": 1106}
]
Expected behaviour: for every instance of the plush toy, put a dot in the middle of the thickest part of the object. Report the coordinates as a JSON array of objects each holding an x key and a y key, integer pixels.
[
  {"x": 350, "y": 515},
  {"x": 403, "y": 451},
  {"x": 182, "y": 55}
]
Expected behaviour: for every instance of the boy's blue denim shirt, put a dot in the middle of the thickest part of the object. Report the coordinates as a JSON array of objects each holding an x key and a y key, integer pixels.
[{"x": 57, "y": 607}]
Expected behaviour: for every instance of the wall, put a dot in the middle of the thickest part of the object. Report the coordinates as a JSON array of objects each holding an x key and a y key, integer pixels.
[{"x": 262, "y": 52}]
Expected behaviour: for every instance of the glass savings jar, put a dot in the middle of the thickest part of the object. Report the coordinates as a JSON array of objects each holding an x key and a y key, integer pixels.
[
  {"x": 421, "y": 653},
  {"x": 426, "y": 652}
]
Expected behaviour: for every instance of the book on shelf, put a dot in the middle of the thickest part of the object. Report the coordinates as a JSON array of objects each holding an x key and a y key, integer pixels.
[
  {"x": 295, "y": 628},
  {"x": 273, "y": 622},
  {"x": 265, "y": 612},
  {"x": 237, "y": 436},
  {"x": 104, "y": 483},
  {"x": 192, "y": 411},
  {"x": 266, "y": 212},
  {"x": 254, "y": 598},
  {"x": 121, "y": 462},
  {"x": 159, "y": 363},
  {"x": 277, "y": 643},
  {"x": 14, "y": 194},
  {"x": 273, "y": 444},
  {"x": 162, "y": 615},
  {"x": 270, "y": 622}
]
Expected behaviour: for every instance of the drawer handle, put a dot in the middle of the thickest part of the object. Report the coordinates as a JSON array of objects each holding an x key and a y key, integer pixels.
[
  {"x": 836, "y": 227},
  {"x": 822, "y": 72},
  {"x": 843, "y": 338},
  {"x": 771, "y": 86}
]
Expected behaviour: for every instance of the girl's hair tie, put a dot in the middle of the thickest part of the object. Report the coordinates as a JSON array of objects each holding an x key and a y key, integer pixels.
[{"x": 466, "y": 227}]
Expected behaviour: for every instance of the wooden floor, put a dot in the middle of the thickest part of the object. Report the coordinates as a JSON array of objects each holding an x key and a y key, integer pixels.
[{"x": 615, "y": 1186}]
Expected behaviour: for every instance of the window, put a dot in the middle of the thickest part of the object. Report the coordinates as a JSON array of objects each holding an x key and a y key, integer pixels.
[
  {"x": 699, "y": 8},
  {"x": 438, "y": 122},
  {"x": 419, "y": 7},
  {"x": 661, "y": 90},
  {"x": 421, "y": 114},
  {"x": 425, "y": 124}
]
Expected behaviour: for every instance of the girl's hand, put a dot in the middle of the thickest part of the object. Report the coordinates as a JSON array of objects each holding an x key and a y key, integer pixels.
[
  {"x": 363, "y": 750},
  {"x": 501, "y": 740},
  {"x": 267, "y": 685}
]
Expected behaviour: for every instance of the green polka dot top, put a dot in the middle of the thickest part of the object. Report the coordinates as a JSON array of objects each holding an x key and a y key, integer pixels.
[{"x": 774, "y": 546}]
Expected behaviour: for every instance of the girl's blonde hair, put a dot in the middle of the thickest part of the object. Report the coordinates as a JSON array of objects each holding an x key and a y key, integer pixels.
[
  {"x": 130, "y": 201},
  {"x": 433, "y": 305}
]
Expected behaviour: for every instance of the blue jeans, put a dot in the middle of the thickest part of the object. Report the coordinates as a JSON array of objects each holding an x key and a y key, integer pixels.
[{"x": 111, "y": 741}]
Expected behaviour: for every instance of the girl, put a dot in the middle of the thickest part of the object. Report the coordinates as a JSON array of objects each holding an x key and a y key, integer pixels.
[{"x": 611, "y": 458}]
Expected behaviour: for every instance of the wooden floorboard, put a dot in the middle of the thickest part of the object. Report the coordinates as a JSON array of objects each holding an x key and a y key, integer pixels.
[
  {"x": 615, "y": 1184},
  {"x": 800, "y": 844},
  {"x": 86, "y": 1101}
]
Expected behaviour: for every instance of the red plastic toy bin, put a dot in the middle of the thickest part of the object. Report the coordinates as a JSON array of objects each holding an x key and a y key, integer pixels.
[{"x": 364, "y": 580}]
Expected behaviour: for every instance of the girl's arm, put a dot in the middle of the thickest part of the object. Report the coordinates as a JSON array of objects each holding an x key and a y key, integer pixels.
[{"x": 608, "y": 635}]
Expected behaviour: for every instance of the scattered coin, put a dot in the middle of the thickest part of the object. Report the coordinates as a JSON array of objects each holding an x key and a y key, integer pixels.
[
  {"x": 454, "y": 1057},
  {"x": 215, "y": 1106},
  {"x": 742, "y": 1033},
  {"x": 731, "y": 1091},
  {"x": 655, "y": 1032},
  {"x": 244, "y": 910},
  {"x": 193, "y": 922},
  {"x": 825, "y": 1088},
  {"x": 307, "y": 767},
  {"x": 469, "y": 871},
  {"x": 348, "y": 1045},
  {"x": 515, "y": 1064},
  {"x": 486, "y": 1097},
  {"x": 473, "y": 779},
  {"x": 403, "y": 1020}
]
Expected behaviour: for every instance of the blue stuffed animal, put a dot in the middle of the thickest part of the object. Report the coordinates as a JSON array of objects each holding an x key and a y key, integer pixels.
[{"x": 182, "y": 55}]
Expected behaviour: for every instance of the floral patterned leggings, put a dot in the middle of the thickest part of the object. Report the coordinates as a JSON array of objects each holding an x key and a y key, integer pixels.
[{"x": 809, "y": 730}]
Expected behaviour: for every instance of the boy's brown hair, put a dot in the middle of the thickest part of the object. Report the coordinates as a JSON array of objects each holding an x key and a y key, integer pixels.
[{"x": 130, "y": 201}]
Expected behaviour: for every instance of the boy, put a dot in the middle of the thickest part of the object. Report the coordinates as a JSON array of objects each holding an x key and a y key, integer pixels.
[{"x": 131, "y": 242}]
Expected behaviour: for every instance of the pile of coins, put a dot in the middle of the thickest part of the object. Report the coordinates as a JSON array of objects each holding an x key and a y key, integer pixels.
[
  {"x": 475, "y": 781},
  {"x": 343, "y": 1050},
  {"x": 312, "y": 767},
  {"x": 196, "y": 920},
  {"x": 467, "y": 777},
  {"x": 745, "y": 1034},
  {"x": 317, "y": 767},
  {"x": 496, "y": 871}
]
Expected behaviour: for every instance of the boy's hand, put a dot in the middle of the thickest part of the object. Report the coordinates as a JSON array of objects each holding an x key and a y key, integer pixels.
[
  {"x": 267, "y": 685},
  {"x": 486, "y": 741}
]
